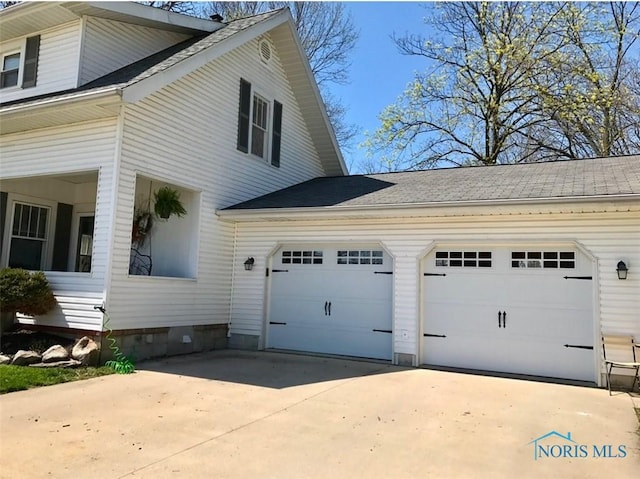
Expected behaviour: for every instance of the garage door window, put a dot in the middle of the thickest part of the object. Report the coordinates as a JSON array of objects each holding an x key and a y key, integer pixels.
[
  {"x": 464, "y": 259},
  {"x": 302, "y": 257},
  {"x": 360, "y": 257},
  {"x": 543, "y": 259}
]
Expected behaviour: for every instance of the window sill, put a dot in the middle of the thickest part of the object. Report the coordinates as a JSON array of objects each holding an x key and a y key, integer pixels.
[{"x": 140, "y": 277}]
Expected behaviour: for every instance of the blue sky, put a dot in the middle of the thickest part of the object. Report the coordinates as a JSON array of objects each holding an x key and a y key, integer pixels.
[{"x": 378, "y": 73}]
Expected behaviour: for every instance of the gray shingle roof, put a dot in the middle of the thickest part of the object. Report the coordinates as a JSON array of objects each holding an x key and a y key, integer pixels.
[
  {"x": 600, "y": 177},
  {"x": 151, "y": 65}
]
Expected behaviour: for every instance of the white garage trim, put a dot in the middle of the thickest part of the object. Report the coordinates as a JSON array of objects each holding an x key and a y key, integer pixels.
[{"x": 506, "y": 246}]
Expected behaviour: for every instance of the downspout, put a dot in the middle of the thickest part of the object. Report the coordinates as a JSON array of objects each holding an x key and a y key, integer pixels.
[
  {"x": 115, "y": 188},
  {"x": 233, "y": 276}
]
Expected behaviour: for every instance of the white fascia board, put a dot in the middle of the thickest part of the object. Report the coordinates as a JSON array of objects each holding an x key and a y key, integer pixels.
[
  {"x": 416, "y": 209},
  {"x": 145, "y": 87},
  {"x": 57, "y": 102},
  {"x": 31, "y": 7},
  {"x": 142, "y": 15},
  {"x": 318, "y": 96}
]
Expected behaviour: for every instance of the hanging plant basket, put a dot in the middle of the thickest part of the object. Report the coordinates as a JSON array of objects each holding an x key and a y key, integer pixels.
[{"x": 167, "y": 202}]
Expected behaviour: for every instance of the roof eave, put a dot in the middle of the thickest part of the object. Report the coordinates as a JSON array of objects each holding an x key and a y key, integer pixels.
[
  {"x": 142, "y": 88},
  {"x": 133, "y": 12},
  {"x": 313, "y": 85},
  {"x": 89, "y": 95},
  {"x": 384, "y": 210}
]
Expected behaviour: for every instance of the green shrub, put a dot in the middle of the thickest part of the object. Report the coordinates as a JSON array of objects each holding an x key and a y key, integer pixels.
[{"x": 25, "y": 292}]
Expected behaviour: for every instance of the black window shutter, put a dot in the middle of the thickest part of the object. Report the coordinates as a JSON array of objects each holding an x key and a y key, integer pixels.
[
  {"x": 277, "y": 134},
  {"x": 30, "y": 73},
  {"x": 243, "y": 116},
  {"x": 3, "y": 215},
  {"x": 62, "y": 237}
]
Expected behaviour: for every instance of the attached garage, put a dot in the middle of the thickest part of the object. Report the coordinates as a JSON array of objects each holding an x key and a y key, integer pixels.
[
  {"x": 525, "y": 309},
  {"x": 510, "y": 268},
  {"x": 331, "y": 299}
]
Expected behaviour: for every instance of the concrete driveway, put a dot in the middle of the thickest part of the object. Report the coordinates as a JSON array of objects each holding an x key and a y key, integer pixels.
[{"x": 233, "y": 414}]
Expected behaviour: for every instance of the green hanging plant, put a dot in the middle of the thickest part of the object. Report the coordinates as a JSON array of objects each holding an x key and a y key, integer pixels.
[{"x": 167, "y": 203}]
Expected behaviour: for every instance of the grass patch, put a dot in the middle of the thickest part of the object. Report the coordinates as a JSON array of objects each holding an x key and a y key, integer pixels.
[{"x": 18, "y": 378}]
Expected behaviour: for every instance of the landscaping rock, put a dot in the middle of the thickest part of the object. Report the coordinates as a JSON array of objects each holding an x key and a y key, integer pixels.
[
  {"x": 85, "y": 351},
  {"x": 71, "y": 363},
  {"x": 54, "y": 354},
  {"x": 24, "y": 358},
  {"x": 4, "y": 359}
]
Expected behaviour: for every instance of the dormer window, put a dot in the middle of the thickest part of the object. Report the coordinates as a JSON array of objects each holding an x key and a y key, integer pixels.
[
  {"x": 10, "y": 70},
  {"x": 20, "y": 69}
]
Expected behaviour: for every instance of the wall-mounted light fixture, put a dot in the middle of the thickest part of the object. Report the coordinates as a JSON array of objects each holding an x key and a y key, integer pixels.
[
  {"x": 622, "y": 270},
  {"x": 248, "y": 265}
]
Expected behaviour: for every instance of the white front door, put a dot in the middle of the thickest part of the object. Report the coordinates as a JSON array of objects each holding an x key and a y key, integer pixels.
[
  {"x": 334, "y": 300},
  {"x": 525, "y": 310}
]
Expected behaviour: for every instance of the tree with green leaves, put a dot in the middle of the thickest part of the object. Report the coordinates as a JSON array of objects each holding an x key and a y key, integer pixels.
[
  {"x": 513, "y": 82},
  {"x": 592, "y": 102}
]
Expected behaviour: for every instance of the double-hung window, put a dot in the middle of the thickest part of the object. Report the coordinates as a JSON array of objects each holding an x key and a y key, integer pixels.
[
  {"x": 28, "y": 236},
  {"x": 20, "y": 66},
  {"x": 259, "y": 125},
  {"x": 10, "y": 70}
]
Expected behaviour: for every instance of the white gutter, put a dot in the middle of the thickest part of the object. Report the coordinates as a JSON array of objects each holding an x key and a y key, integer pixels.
[
  {"x": 379, "y": 209},
  {"x": 137, "y": 12},
  {"x": 62, "y": 99}
]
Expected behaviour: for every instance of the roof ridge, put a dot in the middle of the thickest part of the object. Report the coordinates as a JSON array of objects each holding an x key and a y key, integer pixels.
[
  {"x": 267, "y": 13},
  {"x": 467, "y": 167}
]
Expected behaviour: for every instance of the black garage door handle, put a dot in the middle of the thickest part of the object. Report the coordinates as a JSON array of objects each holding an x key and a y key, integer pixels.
[
  {"x": 578, "y": 346},
  {"x": 276, "y": 322},
  {"x": 382, "y": 331}
]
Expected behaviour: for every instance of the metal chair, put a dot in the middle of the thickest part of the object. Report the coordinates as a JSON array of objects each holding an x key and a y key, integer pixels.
[
  {"x": 139, "y": 264},
  {"x": 625, "y": 356}
]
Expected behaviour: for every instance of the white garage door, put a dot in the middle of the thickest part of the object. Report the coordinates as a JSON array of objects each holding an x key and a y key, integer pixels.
[
  {"x": 525, "y": 310},
  {"x": 334, "y": 300}
]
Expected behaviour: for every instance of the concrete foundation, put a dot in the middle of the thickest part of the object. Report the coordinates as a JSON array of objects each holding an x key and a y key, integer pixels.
[
  {"x": 403, "y": 359},
  {"x": 244, "y": 341},
  {"x": 621, "y": 382},
  {"x": 147, "y": 343}
]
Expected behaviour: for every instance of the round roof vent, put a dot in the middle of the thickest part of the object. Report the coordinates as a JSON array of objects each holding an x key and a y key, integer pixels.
[{"x": 264, "y": 48}]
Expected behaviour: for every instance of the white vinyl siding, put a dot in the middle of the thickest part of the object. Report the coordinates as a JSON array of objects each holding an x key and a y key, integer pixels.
[
  {"x": 199, "y": 153},
  {"x": 109, "y": 45},
  {"x": 57, "y": 62},
  {"x": 85, "y": 147},
  {"x": 609, "y": 237}
]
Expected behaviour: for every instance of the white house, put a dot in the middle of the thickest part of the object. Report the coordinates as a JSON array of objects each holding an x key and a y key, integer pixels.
[
  {"x": 506, "y": 268},
  {"x": 102, "y": 104}
]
